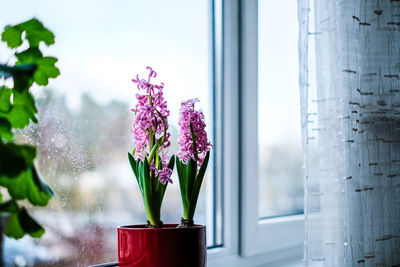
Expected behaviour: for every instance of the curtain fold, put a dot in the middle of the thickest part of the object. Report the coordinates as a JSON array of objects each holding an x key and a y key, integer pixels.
[{"x": 350, "y": 100}]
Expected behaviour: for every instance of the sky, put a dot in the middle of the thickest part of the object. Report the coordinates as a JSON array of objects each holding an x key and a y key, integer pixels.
[
  {"x": 103, "y": 44},
  {"x": 278, "y": 76}
]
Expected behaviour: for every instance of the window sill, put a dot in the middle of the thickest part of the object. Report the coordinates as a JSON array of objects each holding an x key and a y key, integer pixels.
[{"x": 289, "y": 257}]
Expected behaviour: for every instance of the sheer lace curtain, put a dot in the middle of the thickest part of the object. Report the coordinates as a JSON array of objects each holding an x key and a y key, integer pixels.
[{"x": 350, "y": 96}]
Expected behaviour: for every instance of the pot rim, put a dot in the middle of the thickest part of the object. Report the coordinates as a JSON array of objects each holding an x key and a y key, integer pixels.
[{"x": 166, "y": 227}]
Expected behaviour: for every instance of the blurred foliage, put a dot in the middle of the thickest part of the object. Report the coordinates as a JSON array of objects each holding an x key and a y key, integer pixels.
[{"x": 17, "y": 109}]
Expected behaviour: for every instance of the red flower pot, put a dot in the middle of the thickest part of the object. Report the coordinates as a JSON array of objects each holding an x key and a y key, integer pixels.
[{"x": 169, "y": 246}]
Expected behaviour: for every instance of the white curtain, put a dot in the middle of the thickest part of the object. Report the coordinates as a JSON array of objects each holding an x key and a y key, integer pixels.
[{"x": 350, "y": 95}]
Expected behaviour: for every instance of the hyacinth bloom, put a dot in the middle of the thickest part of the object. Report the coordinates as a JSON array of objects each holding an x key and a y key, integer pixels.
[
  {"x": 149, "y": 160},
  {"x": 194, "y": 144},
  {"x": 192, "y": 159}
]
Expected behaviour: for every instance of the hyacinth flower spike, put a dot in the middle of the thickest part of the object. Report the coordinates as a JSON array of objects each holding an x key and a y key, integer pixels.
[
  {"x": 151, "y": 140},
  {"x": 192, "y": 159}
]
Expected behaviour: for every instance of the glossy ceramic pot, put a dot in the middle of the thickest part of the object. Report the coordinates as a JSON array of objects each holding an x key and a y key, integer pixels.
[{"x": 169, "y": 246}]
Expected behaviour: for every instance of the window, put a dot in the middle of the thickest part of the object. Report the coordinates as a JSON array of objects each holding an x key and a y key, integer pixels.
[
  {"x": 279, "y": 133},
  {"x": 256, "y": 238},
  {"x": 85, "y": 118},
  {"x": 216, "y": 50}
]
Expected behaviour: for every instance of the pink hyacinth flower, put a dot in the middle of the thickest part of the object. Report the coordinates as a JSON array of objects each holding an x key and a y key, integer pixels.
[
  {"x": 188, "y": 115},
  {"x": 151, "y": 121}
]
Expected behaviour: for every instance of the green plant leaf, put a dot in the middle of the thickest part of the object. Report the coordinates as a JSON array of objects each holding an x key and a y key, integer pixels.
[
  {"x": 5, "y": 99},
  {"x": 17, "y": 71},
  {"x": 171, "y": 163},
  {"x": 180, "y": 168},
  {"x": 14, "y": 229},
  {"x": 36, "y": 33},
  {"x": 29, "y": 55},
  {"x": 17, "y": 108},
  {"x": 15, "y": 159},
  {"x": 199, "y": 180},
  {"x": 5, "y": 71},
  {"x": 22, "y": 223},
  {"x": 29, "y": 225},
  {"x": 28, "y": 186},
  {"x": 12, "y": 36},
  {"x": 134, "y": 166},
  {"x": 159, "y": 162},
  {"x": 22, "y": 111},
  {"x": 147, "y": 188},
  {"x": 43, "y": 187},
  {"x": 5, "y": 129},
  {"x": 9, "y": 206},
  {"x": 161, "y": 192},
  {"x": 190, "y": 175},
  {"x": 46, "y": 68}
]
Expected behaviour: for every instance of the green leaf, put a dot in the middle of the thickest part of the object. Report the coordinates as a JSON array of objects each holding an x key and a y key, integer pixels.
[
  {"x": 5, "y": 99},
  {"x": 14, "y": 229},
  {"x": 151, "y": 202},
  {"x": 46, "y": 68},
  {"x": 5, "y": 129},
  {"x": 161, "y": 193},
  {"x": 159, "y": 162},
  {"x": 30, "y": 55},
  {"x": 36, "y": 33},
  {"x": 25, "y": 99},
  {"x": 17, "y": 71},
  {"x": 29, "y": 225},
  {"x": 180, "y": 168},
  {"x": 134, "y": 166},
  {"x": 17, "y": 108},
  {"x": 199, "y": 180},
  {"x": 22, "y": 111},
  {"x": 190, "y": 175},
  {"x": 133, "y": 163},
  {"x": 43, "y": 187},
  {"x": 15, "y": 159},
  {"x": 20, "y": 116},
  {"x": 22, "y": 223},
  {"x": 147, "y": 188},
  {"x": 28, "y": 186},
  {"x": 12, "y": 36},
  {"x": 9, "y": 206},
  {"x": 5, "y": 71},
  {"x": 171, "y": 163}
]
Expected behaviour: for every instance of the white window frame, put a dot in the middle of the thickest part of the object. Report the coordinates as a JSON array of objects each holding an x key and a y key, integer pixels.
[{"x": 248, "y": 241}]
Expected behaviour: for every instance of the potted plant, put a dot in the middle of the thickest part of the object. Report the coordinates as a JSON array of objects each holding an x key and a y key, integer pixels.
[
  {"x": 157, "y": 244},
  {"x": 17, "y": 109}
]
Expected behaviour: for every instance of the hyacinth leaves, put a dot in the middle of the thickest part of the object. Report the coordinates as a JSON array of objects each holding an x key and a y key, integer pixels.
[
  {"x": 190, "y": 180},
  {"x": 151, "y": 189}
]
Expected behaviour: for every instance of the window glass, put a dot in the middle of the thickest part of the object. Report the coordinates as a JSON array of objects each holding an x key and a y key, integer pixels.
[
  {"x": 85, "y": 119},
  {"x": 279, "y": 136}
]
